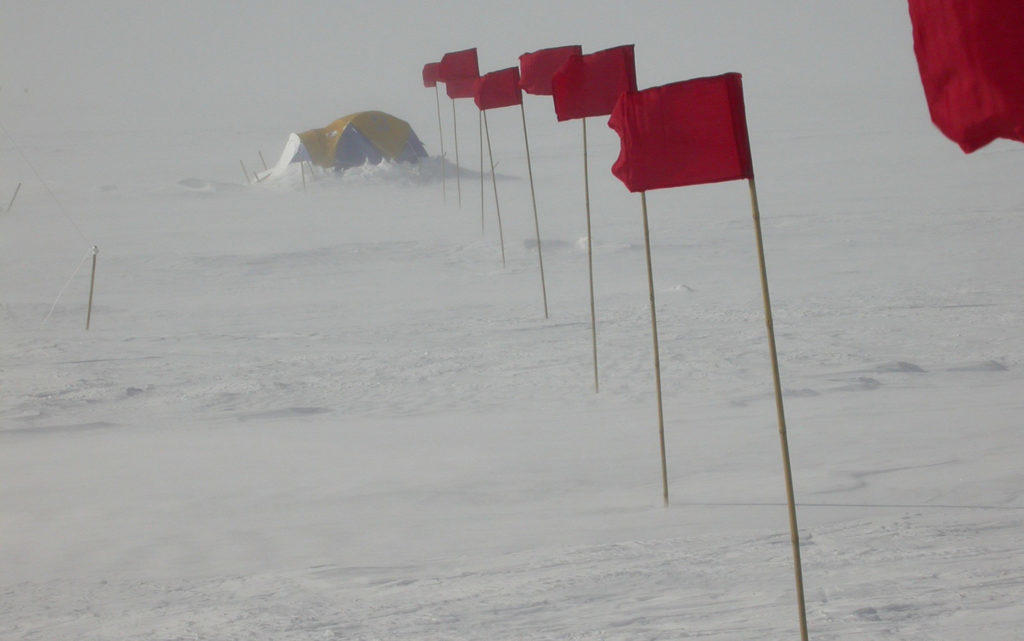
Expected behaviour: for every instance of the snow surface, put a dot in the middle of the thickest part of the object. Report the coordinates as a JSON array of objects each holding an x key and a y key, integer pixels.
[{"x": 332, "y": 414}]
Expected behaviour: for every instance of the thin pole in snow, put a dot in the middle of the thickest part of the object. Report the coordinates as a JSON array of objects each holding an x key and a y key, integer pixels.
[
  {"x": 780, "y": 414},
  {"x": 458, "y": 169},
  {"x": 480, "y": 128},
  {"x": 533, "y": 199},
  {"x": 11, "y": 204},
  {"x": 440, "y": 136},
  {"x": 494, "y": 182},
  {"x": 92, "y": 286},
  {"x": 590, "y": 257},
  {"x": 244, "y": 172},
  {"x": 262, "y": 160},
  {"x": 657, "y": 359}
]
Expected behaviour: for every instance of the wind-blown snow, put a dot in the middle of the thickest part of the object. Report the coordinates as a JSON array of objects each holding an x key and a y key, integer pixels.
[{"x": 332, "y": 414}]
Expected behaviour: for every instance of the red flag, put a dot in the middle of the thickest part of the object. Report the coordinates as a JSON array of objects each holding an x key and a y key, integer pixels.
[
  {"x": 685, "y": 133},
  {"x": 430, "y": 71},
  {"x": 537, "y": 67},
  {"x": 589, "y": 85},
  {"x": 498, "y": 89},
  {"x": 458, "y": 64},
  {"x": 461, "y": 87},
  {"x": 971, "y": 58}
]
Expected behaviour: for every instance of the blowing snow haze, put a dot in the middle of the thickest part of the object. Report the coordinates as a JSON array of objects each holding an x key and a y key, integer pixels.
[{"x": 330, "y": 413}]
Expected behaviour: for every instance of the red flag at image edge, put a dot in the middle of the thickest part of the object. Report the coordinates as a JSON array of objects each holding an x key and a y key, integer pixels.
[
  {"x": 430, "y": 71},
  {"x": 589, "y": 85},
  {"x": 461, "y": 87},
  {"x": 458, "y": 64},
  {"x": 971, "y": 59},
  {"x": 685, "y": 133},
  {"x": 537, "y": 67},
  {"x": 498, "y": 89}
]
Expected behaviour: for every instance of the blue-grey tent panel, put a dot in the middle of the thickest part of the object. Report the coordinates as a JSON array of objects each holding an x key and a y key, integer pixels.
[{"x": 354, "y": 150}]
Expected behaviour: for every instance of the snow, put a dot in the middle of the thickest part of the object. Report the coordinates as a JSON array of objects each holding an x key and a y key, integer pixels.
[{"x": 332, "y": 414}]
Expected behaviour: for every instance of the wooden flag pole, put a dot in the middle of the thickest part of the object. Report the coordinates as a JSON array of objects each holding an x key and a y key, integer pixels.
[
  {"x": 440, "y": 136},
  {"x": 536, "y": 222},
  {"x": 480, "y": 130},
  {"x": 657, "y": 359},
  {"x": 11, "y": 204},
  {"x": 780, "y": 414},
  {"x": 590, "y": 257},
  {"x": 458, "y": 170},
  {"x": 92, "y": 286},
  {"x": 494, "y": 183}
]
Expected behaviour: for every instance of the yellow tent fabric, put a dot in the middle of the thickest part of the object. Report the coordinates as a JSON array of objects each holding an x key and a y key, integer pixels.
[{"x": 389, "y": 135}]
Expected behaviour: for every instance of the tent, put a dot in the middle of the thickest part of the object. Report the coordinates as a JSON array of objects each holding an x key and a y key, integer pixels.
[{"x": 352, "y": 141}]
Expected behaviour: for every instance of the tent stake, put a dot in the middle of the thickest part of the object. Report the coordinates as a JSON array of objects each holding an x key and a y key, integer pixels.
[
  {"x": 440, "y": 136},
  {"x": 262, "y": 160},
  {"x": 245, "y": 173},
  {"x": 657, "y": 359},
  {"x": 494, "y": 182},
  {"x": 302, "y": 168},
  {"x": 92, "y": 286},
  {"x": 533, "y": 199},
  {"x": 590, "y": 257},
  {"x": 780, "y": 413}
]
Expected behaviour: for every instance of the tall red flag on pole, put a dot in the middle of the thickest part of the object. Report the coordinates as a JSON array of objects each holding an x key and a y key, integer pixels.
[
  {"x": 430, "y": 74},
  {"x": 498, "y": 89},
  {"x": 589, "y": 85},
  {"x": 684, "y": 133},
  {"x": 689, "y": 133},
  {"x": 537, "y": 67},
  {"x": 971, "y": 59},
  {"x": 458, "y": 70},
  {"x": 458, "y": 64}
]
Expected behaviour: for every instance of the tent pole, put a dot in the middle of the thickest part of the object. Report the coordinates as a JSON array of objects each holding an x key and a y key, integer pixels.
[
  {"x": 458, "y": 170},
  {"x": 494, "y": 182},
  {"x": 11, "y": 204},
  {"x": 244, "y": 172},
  {"x": 262, "y": 160},
  {"x": 480, "y": 130},
  {"x": 657, "y": 359},
  {"x": 533, "y": 199},
  {"x": 440, "y": 136},
  {"x": 780, "y": 414},
  {"x": 302, "y": 168},
  {"x": 92, "y": 286},
  {"x": 590, "y": 257}
]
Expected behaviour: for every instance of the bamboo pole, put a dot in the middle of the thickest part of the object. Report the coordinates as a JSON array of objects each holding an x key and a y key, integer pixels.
[
  {"x": 244, "y": 172},
  {"x": 590, "y": 258},
  {"x": 780, "y": 414},
  {"x": 458, "y": 169},
  {"x": 440, "y": 136},
  {"x": 480, "y": 128},
  {"x": 657, "y": 359},
  {"x": 494, "y": 182},
  {"x": 536, "y": 221},
  {"x": 11, "y": 204},
  {"x": 262, "y": 160},
  {"x": 92, "y": 287}
]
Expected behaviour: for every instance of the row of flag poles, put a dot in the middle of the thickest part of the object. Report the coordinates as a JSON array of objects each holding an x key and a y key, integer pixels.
[{"x": 684, "y": 133}]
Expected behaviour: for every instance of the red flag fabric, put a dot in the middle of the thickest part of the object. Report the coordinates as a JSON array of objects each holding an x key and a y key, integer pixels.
[
  {"x": 458, "y": 64},
  {"x": 971, "y": 59},
  {"x": 537, "y": 67},
  {"x": 430, "y": 71},
  {"x": 684, "y": 133},
  {"x": 589, "y": 85},
  {"x": 461, "y": 87},
  {"x": 498, "y": 89}
]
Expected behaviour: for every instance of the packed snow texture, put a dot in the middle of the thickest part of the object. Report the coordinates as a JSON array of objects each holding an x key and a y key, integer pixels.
[{"x": 330, "y": 412}]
